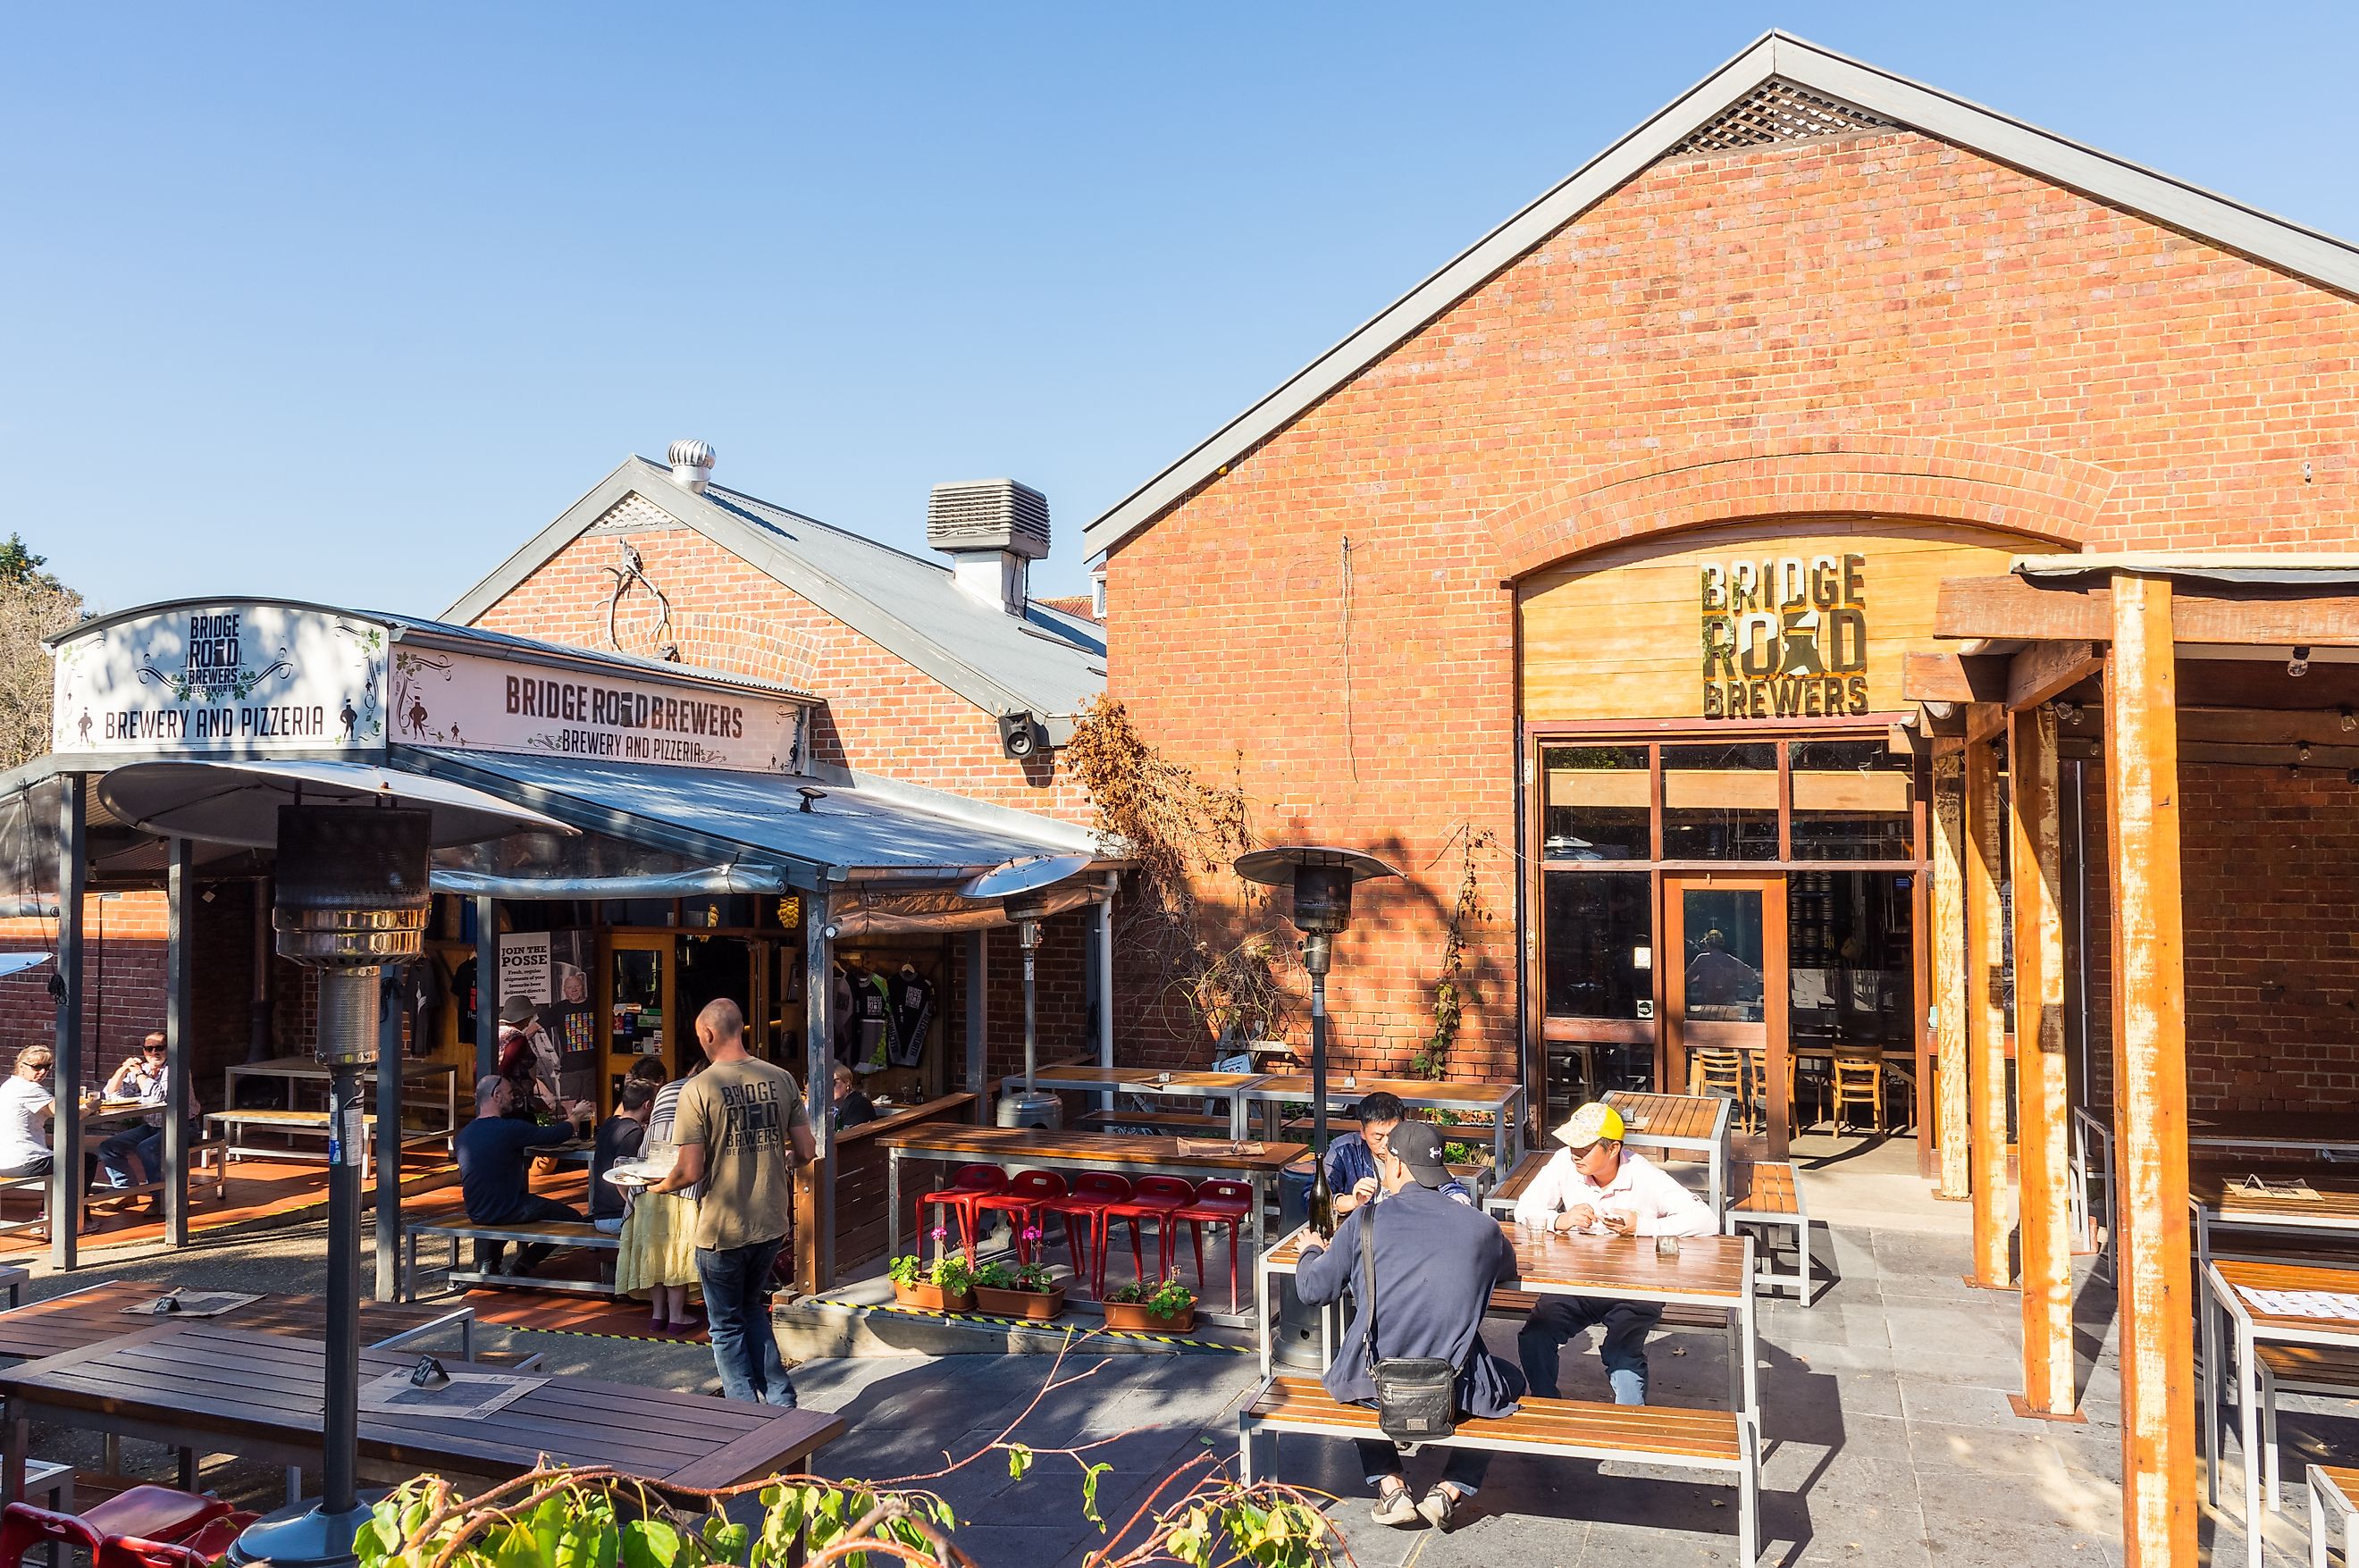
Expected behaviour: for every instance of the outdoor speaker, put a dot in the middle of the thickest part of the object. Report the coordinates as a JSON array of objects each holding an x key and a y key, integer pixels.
[{"x": 1020, "y": 735}]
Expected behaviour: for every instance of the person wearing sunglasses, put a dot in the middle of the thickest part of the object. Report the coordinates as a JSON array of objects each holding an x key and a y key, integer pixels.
[
  {"x": 25, "y": 1107},
  {"x": 136, "y": 1155}
]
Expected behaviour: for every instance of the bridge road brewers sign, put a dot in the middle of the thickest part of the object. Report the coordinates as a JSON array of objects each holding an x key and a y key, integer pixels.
[
  {"x": 442, "y": 697},
  {"x": 1785, "y": 636},
  {"x": 231, "y": 677}
]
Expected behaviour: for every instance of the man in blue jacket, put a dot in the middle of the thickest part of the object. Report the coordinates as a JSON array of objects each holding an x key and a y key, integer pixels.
[{"x": 1436, "y": 1262}]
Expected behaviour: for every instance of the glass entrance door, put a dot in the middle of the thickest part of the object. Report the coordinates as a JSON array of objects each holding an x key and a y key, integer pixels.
[{"x": 1726, "y": 998}]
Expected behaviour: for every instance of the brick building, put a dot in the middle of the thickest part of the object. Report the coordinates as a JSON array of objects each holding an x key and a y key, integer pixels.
[{"x": 1610, "y": 544}]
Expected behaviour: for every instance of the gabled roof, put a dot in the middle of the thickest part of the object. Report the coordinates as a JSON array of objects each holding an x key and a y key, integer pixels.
[
  {"x": 1048, "y": 663},
  {"x": 1778, "y": 87}
]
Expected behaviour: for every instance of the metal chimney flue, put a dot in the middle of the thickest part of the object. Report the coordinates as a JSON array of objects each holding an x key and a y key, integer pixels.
[
  {"x": 992, "y": 530},
  {"x": 692, "y": 465}
]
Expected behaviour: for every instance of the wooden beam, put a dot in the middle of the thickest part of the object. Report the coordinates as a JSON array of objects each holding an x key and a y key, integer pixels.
[
  {"x": 2265, "y": 726},
  {"x": 2048, "y": 669},
  {"x": 1984, "y": 720},
  {"x": 1985, "y": 970},
  {"x": 1952, "y": 678},
  {"x": 2150, "y": 1009},
  {"x": 2009, "y": 607},
  {"x": 1949, "y": 917},
  {"x": 2043, "y": 1104}
]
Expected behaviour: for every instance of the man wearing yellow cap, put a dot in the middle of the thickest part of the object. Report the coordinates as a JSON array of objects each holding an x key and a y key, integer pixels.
[{"x": 1591, "y": 1187}]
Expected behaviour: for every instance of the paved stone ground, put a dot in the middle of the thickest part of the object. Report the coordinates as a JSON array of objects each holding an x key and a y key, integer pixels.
[{"x": 1888, "y": 1436}]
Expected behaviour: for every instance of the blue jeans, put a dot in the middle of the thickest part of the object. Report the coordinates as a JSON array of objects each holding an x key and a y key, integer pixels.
[
  {"x": 737, "y": 1315},
  {"x": 143, "y": 1144},
  {"x": 1558, "y": 1318}
]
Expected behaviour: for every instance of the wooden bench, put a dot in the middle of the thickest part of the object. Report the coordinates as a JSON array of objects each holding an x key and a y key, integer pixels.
[
  {"x": 1763, "y": 1194},
  {"x": 2298, "y": 1369},
  {"x": 1154, "y": 1123},
  {"x": 208, "y": 1169},
  {"x": 546, "y": 1232},
  {"x": 300, "y": 1124},
  {"x": 1719, "y": 1441},
  {"x": 2332, "y": 1484}
]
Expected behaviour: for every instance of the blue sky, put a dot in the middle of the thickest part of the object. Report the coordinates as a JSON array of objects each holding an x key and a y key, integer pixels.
[{"x": 344, "y": 302}]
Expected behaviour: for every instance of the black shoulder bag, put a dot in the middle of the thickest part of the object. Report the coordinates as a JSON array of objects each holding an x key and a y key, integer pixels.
[{"x": 1416, "y": 1396}]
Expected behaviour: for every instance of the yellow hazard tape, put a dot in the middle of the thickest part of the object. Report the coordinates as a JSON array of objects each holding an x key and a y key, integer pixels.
[
  {"x": 1030, "y": 1323},
  {"x": 589, "y": 1333}
]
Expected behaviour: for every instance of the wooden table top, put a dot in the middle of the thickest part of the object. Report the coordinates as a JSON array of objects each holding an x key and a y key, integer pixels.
[
  {"x": 2275, "y": 1129},
  {"x": 237, "y": 1383},
  {"x": 1708, "y": 1267},
  {"x": 1410, "y": 1091},
  {"x": 1144, "y": 1080},
  {"x": 1687, "y": 1116},
  {"x": 1019, "y": 1144},
  {"x": 2291, "y": 1277},
  {"x": 88, "y": 1316},
  {"x": 2331, "y": 1209}
]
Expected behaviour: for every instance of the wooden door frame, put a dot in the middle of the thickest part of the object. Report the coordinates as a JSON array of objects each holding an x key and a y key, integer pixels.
[
  {"x": 665, "y": 944},
  {"x": 1775, "y": 982}
]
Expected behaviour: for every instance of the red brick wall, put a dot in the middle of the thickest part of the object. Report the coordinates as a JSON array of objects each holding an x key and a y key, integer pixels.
[
  {"x": 881, "y": 715},
  {"x": 1880, "y": 324}
]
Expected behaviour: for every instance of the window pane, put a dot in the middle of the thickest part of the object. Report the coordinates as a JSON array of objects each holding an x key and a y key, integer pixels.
[
  {"x": 1600, "y": 944},
  {"x": 1597, "y": 803},
  {"x": 1849, "y": 940},
  {"x": 1851, "y": 801},
  {"x": 1720, "y": 803},
  {"x": 1722, "y": 929}
]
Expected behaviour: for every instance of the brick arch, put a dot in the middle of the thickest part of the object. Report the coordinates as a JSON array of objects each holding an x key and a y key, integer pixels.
[
  {"x": 733, "y": 643},
  {"x": 2055, "y": 500}
]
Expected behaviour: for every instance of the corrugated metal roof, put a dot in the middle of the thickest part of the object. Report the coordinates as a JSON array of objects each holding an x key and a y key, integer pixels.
[{"x": 2287, "y": 568}]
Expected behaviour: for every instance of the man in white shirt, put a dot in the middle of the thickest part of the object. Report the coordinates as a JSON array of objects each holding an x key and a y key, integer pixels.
[{"x": 1591, "y": 1187}]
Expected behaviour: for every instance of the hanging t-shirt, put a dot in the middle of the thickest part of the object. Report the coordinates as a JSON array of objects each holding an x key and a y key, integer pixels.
[
  {"x": 912, "y": 1002},
  {"x": 22, "y": 1139},
  {"x": 873, "y": 1003},
  {"x": 463, "y": 991}
]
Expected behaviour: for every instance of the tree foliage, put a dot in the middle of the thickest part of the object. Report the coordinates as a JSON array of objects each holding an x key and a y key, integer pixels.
[{"x": 33, "y": 605}]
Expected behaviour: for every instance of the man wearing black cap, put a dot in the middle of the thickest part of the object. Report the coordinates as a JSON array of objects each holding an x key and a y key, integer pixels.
[{"x": 1436, "y": 1261}]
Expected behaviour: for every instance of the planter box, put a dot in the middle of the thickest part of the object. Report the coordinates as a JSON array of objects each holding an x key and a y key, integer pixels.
[
  {"x": 932, "y": 1298},
  {"x": 1033, "y": 1306},
  {"x": 1134, "y": 1317}
]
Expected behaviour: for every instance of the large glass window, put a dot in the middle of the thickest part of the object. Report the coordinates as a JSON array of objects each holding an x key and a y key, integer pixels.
[
  {"x": 1850, "y": 945},
  {"x": 1850, "y": 801},
  {"x": 1720, "y": 803},
  {"x": 1723, "y": 934},
  {"x": 1600, "y": 944},
  {"x": 1599, "y": 804}
]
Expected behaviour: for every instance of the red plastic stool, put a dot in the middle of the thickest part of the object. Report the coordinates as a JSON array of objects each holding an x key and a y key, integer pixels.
[
  {"x": 1221, "y": 1202},
  {"x": 1093, "y": 1193},
  {"x": 154, "y": 1513},
  {"x": 1025, "y": 1201},
  {"x": 964, "y": 1196},
  {"x": 1157, "y": 1198},
  {"x": 130, "y": 1552}
]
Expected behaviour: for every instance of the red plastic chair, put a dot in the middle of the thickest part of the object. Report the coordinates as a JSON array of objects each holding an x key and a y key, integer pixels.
[
  {"x": 152, "y": 1512},
  {"x": 1157, "y": 1198},
  {"x": 1093, "y": 1193},
  {"x": 198, "y": 1551},
  {"x": 963, "y": 1196},
  {"x": 1024, "y": 1200},
  {"x": 1221, "y": 1202}
]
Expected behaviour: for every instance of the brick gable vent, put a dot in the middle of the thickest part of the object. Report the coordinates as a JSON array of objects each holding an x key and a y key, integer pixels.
[{"x": 1775, "y": 112}]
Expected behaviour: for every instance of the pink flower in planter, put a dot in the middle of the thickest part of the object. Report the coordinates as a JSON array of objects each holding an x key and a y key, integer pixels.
[
  {"x": 942, "y": 1233},
  {"x": 1031, "y": 1233}
]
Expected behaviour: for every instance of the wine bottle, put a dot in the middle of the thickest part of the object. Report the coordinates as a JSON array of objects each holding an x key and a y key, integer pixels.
[{"x": 1322, "y": 1202}]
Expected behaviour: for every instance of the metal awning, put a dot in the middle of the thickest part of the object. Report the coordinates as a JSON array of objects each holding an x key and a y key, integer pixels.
[
  {"x": 237, "y": 803},
  {"x": 2287, "y": 569}
]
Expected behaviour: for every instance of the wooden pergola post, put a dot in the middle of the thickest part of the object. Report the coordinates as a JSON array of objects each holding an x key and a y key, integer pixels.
[
  {"x": 1949, "y": 915},
  {"x": 2149, "y": 1000},
  {"x": 1985, "y": 995},
  {"x": 2043, "y": 1106}
]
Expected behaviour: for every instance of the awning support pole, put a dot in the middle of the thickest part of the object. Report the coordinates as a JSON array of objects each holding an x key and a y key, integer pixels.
[
  {"x": 1105, "y": 990},
  {"x": 65, "y": 1143},
  {"x": 1949, "y": 913},
  {"x": 817, "y": 1262},
  {"x": 487, "y": 990},
  {"x": 388, "y": 1130},
  {"x": 179, "y": 970},
  {"x": 2043, "y": 1104},
  {"x": 978, "y": 1022},
  {"x": 2149, "y": 998},
  {"x": 1985, "y": 1013}
]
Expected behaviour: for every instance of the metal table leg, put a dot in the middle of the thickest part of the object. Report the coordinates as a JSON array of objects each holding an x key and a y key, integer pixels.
[{"x": 892, "y": 1204}]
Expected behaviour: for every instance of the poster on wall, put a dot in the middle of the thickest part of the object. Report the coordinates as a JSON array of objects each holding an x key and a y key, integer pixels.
[
  {"x": 573, "y": 1018},
  {"x": 230, "y": 679},
  {"x": 443, "y": 697},
  {"x": 524, "y": 968}
]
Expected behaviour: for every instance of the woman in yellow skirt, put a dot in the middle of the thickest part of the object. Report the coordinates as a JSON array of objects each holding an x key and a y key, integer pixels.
[{"x": 657, "y": 1262}]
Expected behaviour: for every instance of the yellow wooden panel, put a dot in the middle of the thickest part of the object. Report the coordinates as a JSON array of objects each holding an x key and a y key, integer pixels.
[
  {"x": 1623, "y": 633},
  {"x": 1721, "y": 789},
  {"x": 1583, "y": 787},
  {"x": 1851, "y": 791}
]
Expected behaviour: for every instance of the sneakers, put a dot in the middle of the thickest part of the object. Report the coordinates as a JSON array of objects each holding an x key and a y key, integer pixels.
[
  {"x": 1395, "y": 1509},
  {"x": 1437, "y": 1508}
]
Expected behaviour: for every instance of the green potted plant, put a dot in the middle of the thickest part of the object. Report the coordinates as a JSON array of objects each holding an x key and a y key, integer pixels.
[
  {"x": 1168, "y": 1307},
  {"x": 1022, "y": 1291},
  {"x": 942, "y": 1287}
]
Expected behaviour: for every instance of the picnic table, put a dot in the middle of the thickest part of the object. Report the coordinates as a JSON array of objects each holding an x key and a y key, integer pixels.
[
  {"x": 93, "y": 1313},
  {"x": 1691, "y": 1124},
  {"x": 211, "y": 1388},
  {"x": 2092, "y": 1156},
  {"x": 1503, "y": 1102},
  {"x": 1032, "y": 1147},
  {"x": 2332, "y": 1342},
  {"x": 1714, "y": 1271},
  {"x": 296, "y": 1072},
  {"x": 1147, "y": 1081}
]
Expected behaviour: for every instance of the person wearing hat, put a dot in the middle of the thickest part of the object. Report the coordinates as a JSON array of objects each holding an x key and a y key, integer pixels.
[
  {"x": 1594, "y": 1187},
  {"x": 528, "y": 1057},
  {"x": 1436, "y": 1262}
]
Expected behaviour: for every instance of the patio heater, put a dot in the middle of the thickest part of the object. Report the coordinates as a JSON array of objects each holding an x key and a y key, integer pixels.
[
  {"x": 1022, "y": 888},
  {"x": 353, "y": 898},
  {"x": 1322, "y": 880}
]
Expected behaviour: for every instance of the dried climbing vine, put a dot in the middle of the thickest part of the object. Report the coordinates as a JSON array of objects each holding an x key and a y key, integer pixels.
[
  {"x": 1221, "y": 976},
  {"x": 1451, "y": 987}
]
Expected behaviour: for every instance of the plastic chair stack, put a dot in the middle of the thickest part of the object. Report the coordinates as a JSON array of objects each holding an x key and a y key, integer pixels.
[
  {"x": 1025, "y": 1201},
  {"x": 963, "y": 1197},
  {"x": 1092, "y": 1196}
]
